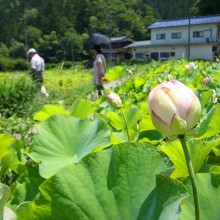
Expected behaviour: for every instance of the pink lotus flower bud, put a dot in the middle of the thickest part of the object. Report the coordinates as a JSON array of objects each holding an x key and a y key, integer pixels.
[
  {"x": 207, "y": 81},
  {"x": 114, "y": 99},
  {"x": 174, "y": 107}
]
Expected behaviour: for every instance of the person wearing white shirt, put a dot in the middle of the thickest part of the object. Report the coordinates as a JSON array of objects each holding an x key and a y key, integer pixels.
[{"x": 37, "y": 69}]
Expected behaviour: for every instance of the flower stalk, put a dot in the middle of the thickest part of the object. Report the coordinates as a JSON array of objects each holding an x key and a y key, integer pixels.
[
  {"x": 191, "y": 175},
  {"x": 126, "y": 123}
]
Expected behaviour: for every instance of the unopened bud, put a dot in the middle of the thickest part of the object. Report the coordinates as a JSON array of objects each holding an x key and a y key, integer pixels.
[{"x": 114, "y": 99}]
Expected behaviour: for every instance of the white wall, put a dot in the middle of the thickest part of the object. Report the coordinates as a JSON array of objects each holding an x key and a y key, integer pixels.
[
  {"x": 196, "y": 51},
  {"x": 210, "y": 31},
  {"x": 202, "y": 52}
]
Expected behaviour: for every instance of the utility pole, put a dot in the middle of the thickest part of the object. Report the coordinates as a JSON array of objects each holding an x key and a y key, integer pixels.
[
  {"x": 26, "y": 38},
  {"x": 72, "y": 53},
  {"x": 108, "y": 16},
  {"x": 188, "y": 54}
]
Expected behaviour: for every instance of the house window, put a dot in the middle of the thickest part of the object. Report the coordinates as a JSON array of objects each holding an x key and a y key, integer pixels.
[
  {"x": 176, "y": 35},
  {"x": 166, "y": 55},
  {"x": 214, "y": 49},
  {"x": 160, "y": 36},
  {"x": 198, "y": 34},
  {"x": 218, "y": 31},
  {"x": 139, "y": 55}
]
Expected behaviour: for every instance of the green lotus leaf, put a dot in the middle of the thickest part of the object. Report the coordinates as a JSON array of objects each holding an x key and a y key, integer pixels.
[
  {"x": 13, "y": 160},
  {"x": 9, "y": 214},
  {"x": 139, "y": 81},
  {"x": 215, "y": 171},
  {"x": 198, "y": 151},
  {"x": 119, "y": 137},
  {"x": 25, "y": 211},
  {"x": 210, "y": 124},
  {"x": 49, "y": 110},
  {"x": 132, "y": 116},
  {"x": 114, "y": 73},
  {"x": 62, "y": 140},
  {"x": 26, "y": 187},
  {"x": 83, "y": 108},
  {"x": 164, "y": 201},
  {"x": 111, "y": 184},
  {"x": 209, "y": 198},
  {"x": 5, "y": 212},
  {"x": 6, "y": 141},
  {"x": 4, "y": 195},
  {"x": 205, "y": 96}
]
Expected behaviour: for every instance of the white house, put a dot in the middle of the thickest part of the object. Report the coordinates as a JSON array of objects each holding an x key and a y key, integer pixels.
[{"x": 194, "y": 38}]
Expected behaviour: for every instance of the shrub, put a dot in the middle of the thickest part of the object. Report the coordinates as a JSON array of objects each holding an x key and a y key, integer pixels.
[
  {"x": 20, "y": 64},
  {"x": 8, "y": 64},
  {"x": 15, "y": 96}
]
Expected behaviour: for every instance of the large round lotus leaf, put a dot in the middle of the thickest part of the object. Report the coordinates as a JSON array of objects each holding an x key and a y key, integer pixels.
[
  {"x": 209, "y": 198},
  {"x": 118, "y": 183},
  {"x": 62, "y": 140},
  {"x": 49, "y": 110}
]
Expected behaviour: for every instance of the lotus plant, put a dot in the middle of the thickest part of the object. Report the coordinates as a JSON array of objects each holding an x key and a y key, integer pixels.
[
  {"x": 175, "y": 110},
  {"x": 115, "y": 101}
]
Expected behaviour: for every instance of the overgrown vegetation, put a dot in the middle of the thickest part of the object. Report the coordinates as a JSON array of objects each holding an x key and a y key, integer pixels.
[
  {"x": 79, "y": 150},
  {"x": 90, "y": 153}
]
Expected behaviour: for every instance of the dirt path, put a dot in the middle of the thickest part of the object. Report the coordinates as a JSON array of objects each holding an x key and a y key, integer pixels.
[{"x": 107, "y": 86}]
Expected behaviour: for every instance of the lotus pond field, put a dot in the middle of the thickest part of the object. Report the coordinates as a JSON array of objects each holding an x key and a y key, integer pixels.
[{"x": 124, "y": 156}]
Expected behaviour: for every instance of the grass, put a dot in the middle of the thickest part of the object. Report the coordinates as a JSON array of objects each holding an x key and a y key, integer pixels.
[{"x": 63, "y": 86}]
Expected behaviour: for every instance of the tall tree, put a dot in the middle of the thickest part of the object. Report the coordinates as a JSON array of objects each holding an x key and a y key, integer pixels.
[{"x": 204, "y": 7}]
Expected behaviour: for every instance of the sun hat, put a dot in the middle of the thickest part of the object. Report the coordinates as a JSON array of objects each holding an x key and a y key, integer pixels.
[{"x": 32, "y": 50}]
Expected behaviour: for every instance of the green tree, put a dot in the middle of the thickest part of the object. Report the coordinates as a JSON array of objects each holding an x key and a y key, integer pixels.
[{"x": 202, "y": 7}]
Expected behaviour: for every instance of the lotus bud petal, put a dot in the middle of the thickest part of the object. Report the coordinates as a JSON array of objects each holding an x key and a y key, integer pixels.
[
  {"x": 114, "y": 99},
  {"x": 174, "y": 107}
]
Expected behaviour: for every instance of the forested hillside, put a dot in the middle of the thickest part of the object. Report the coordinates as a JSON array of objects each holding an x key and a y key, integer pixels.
[{"x": 57, "y": 27}]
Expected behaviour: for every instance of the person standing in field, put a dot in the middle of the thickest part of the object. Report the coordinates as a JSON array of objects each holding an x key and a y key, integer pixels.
[
  {"x": 37, "y": 69},
  {"x": 99, "y": 68}
]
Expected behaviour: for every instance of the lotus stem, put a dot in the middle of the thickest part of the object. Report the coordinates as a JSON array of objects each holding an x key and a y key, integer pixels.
[
  {"x": 192, "y": 176},
  {"x": 126, "y": 124}
]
